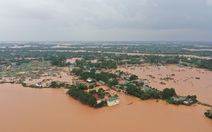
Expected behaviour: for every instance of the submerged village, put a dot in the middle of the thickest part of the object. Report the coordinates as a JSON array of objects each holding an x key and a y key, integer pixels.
[{"x": 98, "y": 81}]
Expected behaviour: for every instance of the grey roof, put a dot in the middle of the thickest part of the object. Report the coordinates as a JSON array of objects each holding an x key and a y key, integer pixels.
[{"x": 113, "y": 98}]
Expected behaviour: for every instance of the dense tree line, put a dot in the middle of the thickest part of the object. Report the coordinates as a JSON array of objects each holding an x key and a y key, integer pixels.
[
  {"x": 106, "y": 77},
  {"x": 133, "y": 90},
  {"x": 82, "y": 86},
  {"x": 168, "y": 93},
  {"x": 206, "y": 64},
  {"x": 133, "y": 77},
  {"x": 112, "y": 83},
  {"x": 56, "y": 60},
  {"x": 106, "y": 64},
  {"x": 83, "y": 97},
  {"x": 153, "y": 94}
]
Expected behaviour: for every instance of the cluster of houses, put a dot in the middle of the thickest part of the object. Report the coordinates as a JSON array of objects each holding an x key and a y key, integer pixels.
[
  {"x": 110, "y": 102},
  {"x": 123, "y": 80},
  {"x": 183, "y": 99},
  {"x": 46, "y": 83}
]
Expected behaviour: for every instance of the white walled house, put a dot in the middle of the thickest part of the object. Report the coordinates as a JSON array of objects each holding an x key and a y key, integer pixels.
[
  {"x": 113, "y": 101},
  {"x": 90, "y": 80}
]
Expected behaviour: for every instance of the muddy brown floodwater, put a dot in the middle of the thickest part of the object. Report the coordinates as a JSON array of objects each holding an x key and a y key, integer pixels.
[
  {"x": 51, "y": 110},
  {"x": 185, "y": 82}
]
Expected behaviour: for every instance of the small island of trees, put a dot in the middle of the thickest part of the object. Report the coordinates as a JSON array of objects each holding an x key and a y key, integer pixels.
[
  {"x": 208, "y": 113},
  {"x": 167, "y": 94},
  {"x": 78, "y": 93}
]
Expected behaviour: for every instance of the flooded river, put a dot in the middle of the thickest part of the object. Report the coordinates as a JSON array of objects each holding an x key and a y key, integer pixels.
[{"x": 51, "y": 110}]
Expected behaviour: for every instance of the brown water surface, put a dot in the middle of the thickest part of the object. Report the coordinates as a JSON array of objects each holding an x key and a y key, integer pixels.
[
  {"x": 185, "y": 82},
  {"x": 51, "y": 110}
]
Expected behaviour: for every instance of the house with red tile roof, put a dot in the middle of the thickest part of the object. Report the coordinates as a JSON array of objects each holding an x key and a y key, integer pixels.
[{"x": 98, "y": 99}]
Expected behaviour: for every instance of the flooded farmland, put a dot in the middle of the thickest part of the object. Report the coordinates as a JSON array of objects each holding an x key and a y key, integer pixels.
[{"x": 185, "y": 80}]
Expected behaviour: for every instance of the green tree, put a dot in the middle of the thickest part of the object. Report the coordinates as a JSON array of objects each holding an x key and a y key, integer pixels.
[
  {"x": 133, "y": 90},
  {"x": 168, "y": 93},
  {"x": 208, "y": 114},
  {"x": 113, "y": 83},
  {"x": 53, "y": 84},
  {"x": 82, "y": 86},
  {"x": 133, "y": 77}
]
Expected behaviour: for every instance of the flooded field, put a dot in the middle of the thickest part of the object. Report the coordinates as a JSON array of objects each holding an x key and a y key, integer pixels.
[
  {"x": 51, "y": 110},
  {"x": 62, "y": 77},
  {"x": 185, "y": 80}
]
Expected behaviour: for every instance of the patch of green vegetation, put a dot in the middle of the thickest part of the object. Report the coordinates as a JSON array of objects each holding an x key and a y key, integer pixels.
[
  {"x": 133, "y": 77},
  {"x": 85, "y": 98},
  {"x": 208, "y": 114}
]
